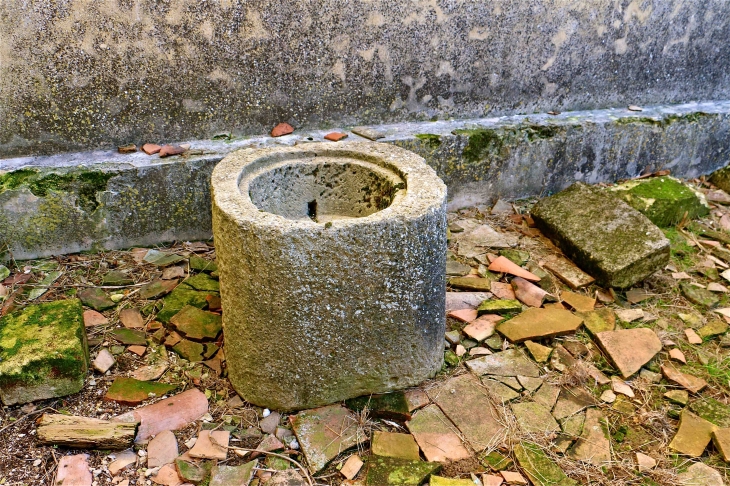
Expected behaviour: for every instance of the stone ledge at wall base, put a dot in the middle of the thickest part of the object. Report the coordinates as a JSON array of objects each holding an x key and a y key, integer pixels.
[
  {"x": 103, "y": 200},
  {"x": 335, "y": 256}
]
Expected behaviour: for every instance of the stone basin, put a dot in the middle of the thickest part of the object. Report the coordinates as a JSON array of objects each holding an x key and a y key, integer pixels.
[{"x": 332, "y": 270}]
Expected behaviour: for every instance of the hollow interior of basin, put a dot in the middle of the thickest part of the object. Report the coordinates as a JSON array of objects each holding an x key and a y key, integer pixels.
[{"x": 323, "y": 189}]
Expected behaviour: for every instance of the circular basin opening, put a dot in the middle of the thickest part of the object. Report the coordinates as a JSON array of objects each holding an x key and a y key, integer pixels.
[{"x": 325, "y": 189}]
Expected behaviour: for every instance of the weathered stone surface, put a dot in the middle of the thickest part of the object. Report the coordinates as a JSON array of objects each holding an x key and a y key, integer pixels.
[
  {"x": 507, "y": 363},
  {"x": 162, "y": 449},
  {"x": 691, "y": 383},
  {"x": 157, "y": 288},
  {"x": 664, "y": 200},
  {"x": 700, "y": 473},
  {"x": 399, "y": 472},
  {"x": 499, "y": 391},
  {"x": 679, "y": 397},
  {"x": 539, "y": 468},
  {"x": 467, "y": 405},
  {"x": 325, "y": 432},
  {"x": 693, "y": 435},
  {"x": 532, "y": 417},
  {"x": 482, "y": 327},
  {"x": 474, "y": 284},
  {"x": 43, "y": 352},
  {"x": 499, "y": 306},
  {"x": 538, "y": 352},
  {"x": 593, "y": 445},
  {"x": 202, "y": 282},
  {"x": 571, "y": 401},
  {"x": 698, "y": 296},
  {"x": 538, "y": 323},
  {"x": 547, "y": 395},
  {"x": 713, "y": 328},
  {"x": 436, "y": 436},
  {"x": 172, "y": 413},
  {"x": 123, "y": 459},
  {"x": 629, "y": 349},
  {"x": 389, "y": 444},
  {"x": 721, "y": 439},
  {"x": 74, "y": 470},
  {"x": 569, "y": 273},
  {"x": 254, "y": 222},
  {"x": 179, "y": 298},
  {"x": 599, "y": 320},
  {"x": 465, "y": 300},
  {"x": 477, "y": 238},
  {"x": 84, "y": 433},
  {"x": 586, "y": 223},
  {"x": 103, "y": 361},
  {"x": 712, "y": 410},
  {"x": 439, "y": 481},
  {"x": 578, "y": 302}
]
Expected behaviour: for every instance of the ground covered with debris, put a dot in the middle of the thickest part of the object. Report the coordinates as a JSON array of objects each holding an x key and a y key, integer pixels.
[{"x": 549, "y": 378}]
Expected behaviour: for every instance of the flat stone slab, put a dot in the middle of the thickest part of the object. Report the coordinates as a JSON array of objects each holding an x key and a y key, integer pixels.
[
  {"x": 74, "y": 470},
  {"x": 398, "y": 472},
  {"x": 599, "y": 320},
  {"x": 157, "y": 288},
  {"x": 467, "y": 404},
  {"x": 202, "y": 282},
  {"x": 43, "y": 352},
  {"x": 437, "y": 437},
  {"x": 477, "y": 238},
  {"x": 693, "y": 434},
  {"x": 603, "y": 235},
  {"x": 325, "y": 432},
  {"x": 700, "y": 473},
  {"x": 593, "y": 445},
  {"x": 570, "y": 401},
  {"x": 389, "y": 444},
  {"x": 629, "y": 349},
  {"x": 232, "y": 475},
  {"x": 507, "y": 363},
  {"x": 721, "y": 439},
  {"x": 96, "y": 298},
  {"x": 129, "y": 391},
  {"x": 538, "y": 323},
  {"x": 465, "y": 300},
  {"x": 539, "y": 468},
  {"x": 534, "y": 418},
  {"x": 664, "y": 200},
  {"x": 712, "y": 410},
  {"x": 129, "y": 336}
]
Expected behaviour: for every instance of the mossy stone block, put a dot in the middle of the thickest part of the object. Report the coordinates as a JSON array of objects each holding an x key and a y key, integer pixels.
[
  {"x": 399, "y": 472},
  {"x": 721, "y": 178},
  {"x": 129, "y": 391},
  {"x": 203, "y": 282},
  {"x": 664, "y": 200},
  {"x": 603, "y": 235},
  {"x": 712, "y": 410},
  {"x": 202, "y": 265},
  {"x": 698, "y": 296},
  {"x": 539, "y": 468},
  {"x": 96, "y": 298},
  {"x": 43, "y": 352}
]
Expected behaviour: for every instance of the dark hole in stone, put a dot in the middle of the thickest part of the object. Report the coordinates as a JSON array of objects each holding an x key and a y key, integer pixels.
[{"x": 312, "y": 210}]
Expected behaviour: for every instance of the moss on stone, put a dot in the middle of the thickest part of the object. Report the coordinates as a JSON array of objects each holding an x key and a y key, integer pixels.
[
  {"x": 432, "y": 140},
  {"x": 500, "y": 307},
  {"x": 539, "y": 468},
  {"x": 399, "y": 472},
  {"x": 712, "y": 410},
  {"x": 173, "y": 302},
  {"x": 43, "y": 352},
  {"x": 663, "y": 121},
  {"x": 392, "y": 406},
  {"x": 664, "y": 200},
  {"x": 486, "y": 142},
  {"x": 202, "y": 282},
  {"x": 202, "y": 265}
]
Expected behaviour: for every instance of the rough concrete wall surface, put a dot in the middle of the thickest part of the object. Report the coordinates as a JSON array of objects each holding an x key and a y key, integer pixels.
[
  {"x": 81, "y": 74},
  {"x": 70, "y": 202}
]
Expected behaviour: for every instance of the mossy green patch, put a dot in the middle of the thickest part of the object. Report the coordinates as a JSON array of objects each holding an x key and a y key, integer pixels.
[
  {"x": 485, "y": 142},
  {"x": 664, "y": 121},
  {"x": 129, "y": 391},
  {"x": 84, "y": 184},
  {"x": 433, "y": 141},
  {"x": 202, "y": 265},
  {"x": 495, "y": 461},
  {"x": 203, "y": 282},
  {"x": 43, "y": 352},
  {"x": 712, "y": 410},
  {"x": 192, "y": 472},
  {"x": 173, "y": 302},
  {"x": 398, "y": 472},
  {"x": 129, "y": 336},
  {"x": 539, "y": 468},
  {"x": 197, "y": 324},
  {"x": 664, "y": 200},
  {"x": 500, "y": 307}
]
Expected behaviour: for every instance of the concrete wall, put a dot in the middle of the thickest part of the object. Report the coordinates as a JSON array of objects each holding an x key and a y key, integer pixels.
[{"x": 81, "y": 74}]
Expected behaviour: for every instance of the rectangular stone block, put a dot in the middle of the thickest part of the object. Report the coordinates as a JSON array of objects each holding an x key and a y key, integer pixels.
[
  {"x": 43, "y": 352},
  {"x": 603, "y": 235}
]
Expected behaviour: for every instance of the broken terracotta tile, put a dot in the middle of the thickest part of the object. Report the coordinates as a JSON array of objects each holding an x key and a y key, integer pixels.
[
  {"x": 629, "y": 349},
  {"x": 463, "y": 315},
  {"x": 538, "y": 352},
  {"x": 535, "y": 323},
  {"x": 103, "y": 361},
  {"x": 437, "y": 437},
  {"x": 570, "y": 401},
  {"x": 578, "y": 302},
  {"x": 150, "y": 372},
  {"x": 131, "y": 319},
  {"x": 167, "y": 476},
  {"x": 336, "y": 137},
  {"x": 129, "y": 391},
  {"x": 211, "y": 445},
  {"x": 692, "y": 336},
  {"x": 151, "y": 148},
  {"x": 503, "y": 290},
  {"x": 172, "y": 413},
  {"x": 122, "y": 460},
  {"x": 325, "y": 432},
  {"x": 93, "y": 318},
  {"x": 566, "y": 271},
  {"x": 479, "y": 351},
  {"x": 282, "y": 129},
  {"x": 74, "y": 470},
  {"x": 162, "y": 449},
  {"x": 677, "y": 355},
  {"x": 504, "y": 265},
  {"x": 721, "y": 439},
  {"x": 644, "y": 463},
  {"x": 593, "y": 445},
  {"x": 635, "y": 296},
  {"x": 528, "y": 293},
  {"x": 170, "y": 150},
  {"x": 620, "y": 386},
  {"x": 352, "y": 465},
  {"x": 511, "y": 477},
  {"x": 469, "y": 408},
  {"x": 482, "y": 327},
  {"x": 416, "y": 399},
  {"x": 389, "y": 444},
  {"x": 599, "y": 320},
  {"x": 691, "y": 383},
  {"x": 138, "y": 350},
  {"x": 693, "y": 435},
  {"x": 492, "y": 480}
]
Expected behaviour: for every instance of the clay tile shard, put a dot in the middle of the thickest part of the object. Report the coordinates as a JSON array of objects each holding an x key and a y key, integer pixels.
[
  {"x": 690, "y": 382},
  {"x": 503, "y": 265},
  {"x": 335, "y": 136},
  {"x": 537, "y": 323},
  {"x": 528, "y": 293},
  {"x": 169, "y": 150},
  {"x": 151, "y": 148},
  {"x": 282, "y": 129},
  {"x": 629, "y": 349},
  {"x": 127, "y": 149}
]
